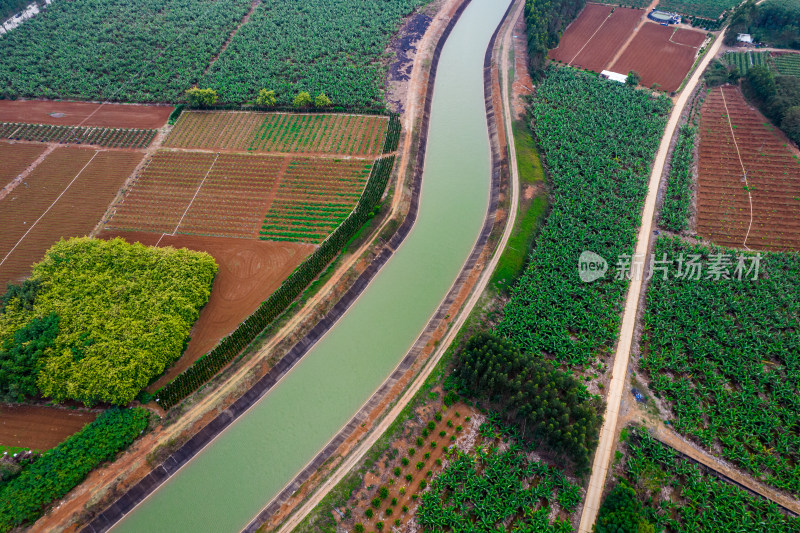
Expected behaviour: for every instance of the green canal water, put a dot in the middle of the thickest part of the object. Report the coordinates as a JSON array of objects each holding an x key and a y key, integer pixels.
[{"x": 230, "y": 481}]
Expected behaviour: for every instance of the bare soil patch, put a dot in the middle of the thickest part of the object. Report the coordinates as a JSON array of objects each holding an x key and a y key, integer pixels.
[
  {"x": 40, "y": 427},
  {"x": 249, "y": 271},
  {"x": 614, "y": 33},
  {"x": 29, "y": 228},
  {"x": 772, "y": 170},
  {"x": 84, "y": 113},
  {"x": 656, "y": 58},
  {"x": 16, "y": 158},
  {"x": 579, "y": 32}
]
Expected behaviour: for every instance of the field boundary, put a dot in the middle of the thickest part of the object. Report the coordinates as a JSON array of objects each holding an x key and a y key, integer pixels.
[
  {"x": 158, "y": 475},
  {"x": 744, "y": 170}
]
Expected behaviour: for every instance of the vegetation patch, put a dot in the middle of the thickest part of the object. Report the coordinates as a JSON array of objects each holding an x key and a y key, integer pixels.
[
  {"x": 122, "y": 313},
  {"x": 598, "y": 139},
  {"x": 57, "y": 471},
  {"x": 724, "y": 354},
  {"x": 674, "y": 214},
  {"x": 674, "y": 494}
]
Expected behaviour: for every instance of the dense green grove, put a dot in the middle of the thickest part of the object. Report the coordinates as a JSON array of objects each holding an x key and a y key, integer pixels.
[
  {"x": 57, "y": 471},
  {"x": 548, "y": 405},
  {"x": 778, "y": 97},
  {"x": 674, "y": 214},
  {"x": 490, "y": 490},
  {"x": 597, "y": 139},
  {"x": 724, "y": 355},
  {"x": 122, "y": 314},
  {"x": 151, "y": 50},
  {"x": 675, "y": 495},
  {"x": 207, "y": 366},
  {"x": 773, "y": 22},
  {"x": 545, "y": 21},
  {"x": 622, "y": 512},
  {"x": 11, "y": 7},
  {"x": 314, "y": 46}
]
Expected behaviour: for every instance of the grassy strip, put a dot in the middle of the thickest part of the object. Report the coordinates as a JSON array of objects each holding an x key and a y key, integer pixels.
[
  {"x": 675, "y": 211},
  {"x": 530, "y": 213}
]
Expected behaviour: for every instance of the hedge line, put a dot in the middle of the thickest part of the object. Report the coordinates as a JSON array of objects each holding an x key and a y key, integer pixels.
[
  {"x": 392, "y": 134},
  {"x": 57, "y": 471},
  {"x": 207, "y": 366}
]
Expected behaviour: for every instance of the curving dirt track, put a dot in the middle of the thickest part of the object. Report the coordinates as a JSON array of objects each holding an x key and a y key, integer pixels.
[
  {"x": 773, "y": 176},
  {"x": 249, "y": 271},
  {"x": 39, "y": 427},
  {"x": 84, "y": 113}
]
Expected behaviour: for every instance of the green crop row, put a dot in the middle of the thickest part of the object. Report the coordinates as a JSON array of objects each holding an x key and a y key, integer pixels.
[
  {"x": 207, "y": 366},
  {"x": 678, "y": 198},
  {"x": 112, "y": 137},
  {"x": 597, "y": 139},
  {"x": 57, "y": 471}
]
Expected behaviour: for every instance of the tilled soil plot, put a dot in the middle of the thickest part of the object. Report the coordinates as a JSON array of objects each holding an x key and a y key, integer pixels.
[
  {"x": 84, "y": 114},
  {"x": 772, "y": 171},
  {"x": 39, "y": 427}
]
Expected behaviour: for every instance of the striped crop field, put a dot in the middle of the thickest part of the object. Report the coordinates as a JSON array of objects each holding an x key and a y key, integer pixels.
[{"x": 335, "y": 134}]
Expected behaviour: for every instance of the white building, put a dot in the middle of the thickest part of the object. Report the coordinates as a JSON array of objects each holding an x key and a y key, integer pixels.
[{"x": 614, "y": 76}]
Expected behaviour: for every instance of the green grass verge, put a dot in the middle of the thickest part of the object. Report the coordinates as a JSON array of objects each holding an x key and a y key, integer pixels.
[{"x": 530, "y": 214}]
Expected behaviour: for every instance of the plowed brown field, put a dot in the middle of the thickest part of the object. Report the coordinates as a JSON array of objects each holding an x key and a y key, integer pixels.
[
  {"x": 773, "y": 175},
  {"x": 602, "y": 47},
  {"x": 234, "y": 195},
  {"x": 249, "y": 271},
  {"x": 14, "y": 158},
  {"x": 656, "y": 58},
  {"x": 64, "y": 196},
  {"x": 84, "y": 114},
  {"x": 579, "y": 32},
  {"x": 38, "y": 427}
]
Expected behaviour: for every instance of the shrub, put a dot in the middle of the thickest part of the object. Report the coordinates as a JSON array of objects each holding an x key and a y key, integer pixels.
[
  {"x": 379, "y": 526},
  {"x": 404, "y": 461},
  {"x": 411, "y": 452},
  {"x": 368, "y": 513},
  {"x": 423, "y": 484},
  {"x": 397, "y": 471},
  {"x": 383, "y": 493},
  {"x": 266, "y": 98},
  {"x": 376, "y": 503},
  {"x": 394, "y": 501},
  {"x": 197, "y": 97},
  {"x": 303, "y": 99},
  {"x": 60, "y": 469},
  {"x": 420, "y": 442},
  {"x": 432, "y": 424},
  {"x": 358, "y": 528},
  {"x": 388, "y": 511},
  {"x": 420, "y": 465},
  {"x": 442, "y": 433},
  {"x": 409, "y": 477}
]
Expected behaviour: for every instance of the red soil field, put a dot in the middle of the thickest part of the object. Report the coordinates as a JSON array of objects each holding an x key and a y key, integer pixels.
[
  {"x": 39, "y": 427},
  {"x": 773, "y": 175},
  {"x": 688, "y": 37},
  {"x": 230, "y": 195},
  {"x": 15, "y": 158},
  {"x": 360, "y": 135},
  {"x": 84, "y": 113},
  {"x": 76, "y": 208},
  {"x": 579, "y": 32},
  {"x": 604, "y": 45},
  {"x": 656, "y": 58},
  {"x": 249, "y": 271}
]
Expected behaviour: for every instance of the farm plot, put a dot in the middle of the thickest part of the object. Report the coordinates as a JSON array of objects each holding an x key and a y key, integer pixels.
[
  {"x": 65, "y": 113},
  {"x": 743, "y": 61},
  {"x": 39, "y": 427},
  {"x": 16, "y": 158},
  {"x": 601, "y": 48},
  {"x": 313, "y": 198},
  {"x": 772, "y": 171},
  {"x": 657, "y": 57},
  {"x": 360, "y": 135},
  {"x": 112, "y": 137},
  {"x": 788, "y": 64},
  {"x": 249, "y": 271},
  {"x": 64, "y": 196},
  {"x": 579, "y": 32}
]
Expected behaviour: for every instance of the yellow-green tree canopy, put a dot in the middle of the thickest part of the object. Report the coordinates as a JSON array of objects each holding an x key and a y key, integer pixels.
[
  {"x": 303, "y": 99},
  {"x": 266, "y": 98},
  {"x": 125, "y": 311},
  {"x": 201, "y": 97}
]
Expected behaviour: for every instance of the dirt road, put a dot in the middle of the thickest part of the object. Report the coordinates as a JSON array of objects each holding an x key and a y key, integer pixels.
[
  {"x": 608, "y": 431},
  {"x": 409, "y": 394}
]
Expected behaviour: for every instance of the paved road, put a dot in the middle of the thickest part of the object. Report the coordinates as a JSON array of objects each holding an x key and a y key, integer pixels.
[{"x": 608, "y": 431}]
